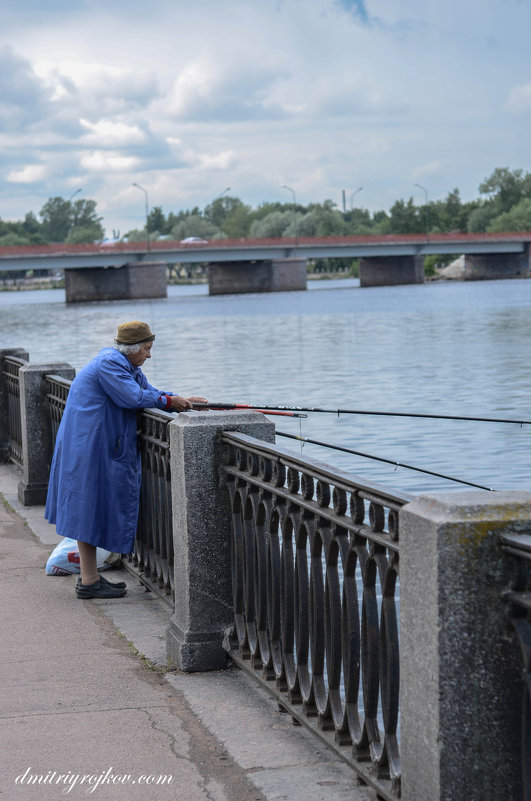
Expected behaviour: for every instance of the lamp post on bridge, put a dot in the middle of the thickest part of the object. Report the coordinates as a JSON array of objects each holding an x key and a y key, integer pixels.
[
  {"x": 352, "y": 197},
  {"x": 147, "y": 213},
  {"x": 284, "y": 186},
  {"x": 427, "y": 211},
  {"x": 70, "y": 199}
]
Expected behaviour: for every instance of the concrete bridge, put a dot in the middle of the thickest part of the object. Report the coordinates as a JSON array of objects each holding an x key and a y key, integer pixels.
[{"x": 138, "y": 270}]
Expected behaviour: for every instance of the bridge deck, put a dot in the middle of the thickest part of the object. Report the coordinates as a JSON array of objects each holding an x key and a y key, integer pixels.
[{"x": 31, "y": 257}]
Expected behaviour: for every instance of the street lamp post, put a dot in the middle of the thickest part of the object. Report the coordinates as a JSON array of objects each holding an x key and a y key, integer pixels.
[
  {"x": 284, "y": 186},
  {"x": 352, "y": 196},
  {"x": 427, "y": 210},
  {"x": 221, "y": 194},
  {"x": 147, "y": 213}
]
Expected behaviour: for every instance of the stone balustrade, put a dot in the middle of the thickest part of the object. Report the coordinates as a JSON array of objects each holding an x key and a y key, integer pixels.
[{"x": 462, "y": 675}]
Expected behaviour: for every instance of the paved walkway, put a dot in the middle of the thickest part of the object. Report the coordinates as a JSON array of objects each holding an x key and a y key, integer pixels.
[{"x": 84, "y": 693}]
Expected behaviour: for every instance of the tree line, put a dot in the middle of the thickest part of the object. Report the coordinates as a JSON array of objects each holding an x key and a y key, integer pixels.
[{"x": 504, "y": 205}]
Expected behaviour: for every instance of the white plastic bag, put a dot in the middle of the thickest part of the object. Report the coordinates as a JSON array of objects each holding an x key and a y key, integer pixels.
[{"x": 64, "y": 559}]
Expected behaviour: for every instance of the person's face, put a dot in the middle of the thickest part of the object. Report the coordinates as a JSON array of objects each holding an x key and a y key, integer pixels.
[{"x": 138, "y": 359}]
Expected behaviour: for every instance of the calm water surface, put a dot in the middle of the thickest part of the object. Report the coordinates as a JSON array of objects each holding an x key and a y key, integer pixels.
[{"x": 456, "y": 348}]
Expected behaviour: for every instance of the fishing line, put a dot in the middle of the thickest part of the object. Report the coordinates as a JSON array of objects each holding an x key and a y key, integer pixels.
[{"x": 382, "y": 459}]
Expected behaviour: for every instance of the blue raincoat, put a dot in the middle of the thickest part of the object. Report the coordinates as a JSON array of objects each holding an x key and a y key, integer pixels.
[{"x": 94, "y": 488}]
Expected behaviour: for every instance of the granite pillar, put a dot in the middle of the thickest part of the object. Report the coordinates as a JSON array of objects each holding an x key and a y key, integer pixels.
[
  {"x": 460, "y": 668},
  {"x": 37, "y": 440},
  {"x": 202, "y": 526}
]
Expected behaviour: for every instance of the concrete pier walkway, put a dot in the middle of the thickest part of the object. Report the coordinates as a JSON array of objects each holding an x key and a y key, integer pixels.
[{"x": 88, "y": 708}]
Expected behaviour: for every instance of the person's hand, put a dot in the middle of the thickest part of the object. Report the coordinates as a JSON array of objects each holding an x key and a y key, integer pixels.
[{"x": 179, "y": 404}]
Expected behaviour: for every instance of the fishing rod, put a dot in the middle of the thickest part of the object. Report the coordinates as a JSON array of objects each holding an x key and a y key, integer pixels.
[
  {"x": 232, "y": 407},
  {"x": 264, "y": 408},
  {"x": 381, "y": 459}
]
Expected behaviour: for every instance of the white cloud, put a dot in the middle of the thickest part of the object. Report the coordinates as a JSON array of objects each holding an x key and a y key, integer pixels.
[
  {"x": 101, "y": 161},
  {"x": 30, "y": 174},
  {"x": 220, "y": 161},
  {"x": 211, "y": 89},
  {"x": 97, "y": 89},
  {"x": 106, "y": 133}
]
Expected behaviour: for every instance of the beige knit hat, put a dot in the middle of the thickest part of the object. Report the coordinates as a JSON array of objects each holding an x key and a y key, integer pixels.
[{"x": 134, "y": 333}]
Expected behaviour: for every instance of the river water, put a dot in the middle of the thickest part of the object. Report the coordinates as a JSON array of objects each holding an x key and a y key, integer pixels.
[{"x": 443, "y": 347}]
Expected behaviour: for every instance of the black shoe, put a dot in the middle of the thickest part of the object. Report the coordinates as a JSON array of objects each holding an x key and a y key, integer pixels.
[
  {"x": 120, "y": 585},
  {"x": 99, "y": 589}
]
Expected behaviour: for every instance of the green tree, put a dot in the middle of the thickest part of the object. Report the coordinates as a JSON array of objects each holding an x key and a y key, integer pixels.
[
  {"x": 237, "y": 224},
  {"x": 60, "y": 217},
  {"x": 31, "y": 225},
  {"x": 156, "y": 221},
  {"x": 517, "y": 219},
  {"x": 135, "y": 235},
  {"x": 404, "y": 218},
  {"x": 480, "y": 219},
  {"x": 84, "y": 216},
  {"x": 506, "y": 187},
  {"x": 450, "y": 214},
  {"x": 195, "y": 225},
  {"x": 83, "y": 234},
  {"x": 273, "y": 225},
  {"x": 381, "y": 223},
  {"x": 320, "y": 220},
  {"x": 230, "y": 215},
  {"x": 11, "y": 238},
  {"x": 56, "y": 219}
]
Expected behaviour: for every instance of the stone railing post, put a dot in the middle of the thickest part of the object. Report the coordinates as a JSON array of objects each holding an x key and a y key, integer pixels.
[
  {"x": 20, "y": 353},
  {"x": 37, "y": 447},
  {"x": 202, "y": 534},
  {"x": 460, "y": 667}
]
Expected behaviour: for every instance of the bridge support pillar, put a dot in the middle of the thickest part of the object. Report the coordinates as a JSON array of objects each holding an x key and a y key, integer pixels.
[
  {"x": 486, "y": 266},
  {"x": 391, "y": 270},
  {"x": 276, "y": 275},
  {"x": 142, "y": 279}
]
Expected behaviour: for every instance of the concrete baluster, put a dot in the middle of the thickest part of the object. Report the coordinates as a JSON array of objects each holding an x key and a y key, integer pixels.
[
  {"x": 202, "y": 529},
  {"x": 37, "y": 446},
  {"x": 460, "y": 668}
]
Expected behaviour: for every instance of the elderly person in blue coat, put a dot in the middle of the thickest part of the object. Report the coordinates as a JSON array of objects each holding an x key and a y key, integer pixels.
[{"x": 94, "y": 489}]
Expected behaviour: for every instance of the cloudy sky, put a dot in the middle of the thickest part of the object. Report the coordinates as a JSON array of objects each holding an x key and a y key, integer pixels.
[{"x": 189, "y": 98}]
